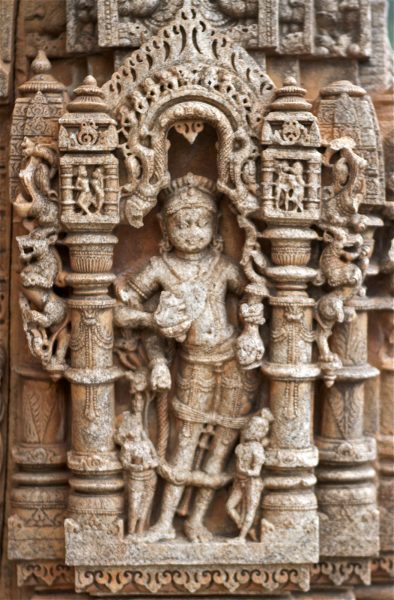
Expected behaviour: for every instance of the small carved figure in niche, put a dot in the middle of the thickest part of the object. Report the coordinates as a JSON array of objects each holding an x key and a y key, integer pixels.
[
  {"x": 90, "y": 201},
  {"x": 44, "y": 313},
  {"x": 38, "y": 202},
  {"x": 248, "y": 484},
  {"x": 290, "y": 187},
  {"x": 139, "y": 459},
  {"x": 84, "y": 198},
  {"x": 98, "y": 188},
  {"x": 213, "y": 395}
]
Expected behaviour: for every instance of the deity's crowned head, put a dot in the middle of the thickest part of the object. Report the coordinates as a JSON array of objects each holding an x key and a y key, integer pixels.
[
  {"x": 189, "y": 213},
  {"x": 190, "y": 191}
]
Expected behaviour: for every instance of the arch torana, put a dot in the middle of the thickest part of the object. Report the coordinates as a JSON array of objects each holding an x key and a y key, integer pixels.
[{"x": 169, "y": 496}]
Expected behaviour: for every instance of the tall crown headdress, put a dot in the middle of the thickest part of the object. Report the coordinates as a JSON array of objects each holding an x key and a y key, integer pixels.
[{"x": 180, "y": 194}]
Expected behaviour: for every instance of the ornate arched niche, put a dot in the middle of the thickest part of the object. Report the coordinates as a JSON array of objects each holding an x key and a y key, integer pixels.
[
  {"x": 191, "y": 439},
  {"x": 186, "y": 77}
]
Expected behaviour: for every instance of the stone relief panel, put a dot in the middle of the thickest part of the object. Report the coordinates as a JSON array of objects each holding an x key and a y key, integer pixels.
[
  {"x": 287, "y": 27},
  {"x": 199, "y": 258}
]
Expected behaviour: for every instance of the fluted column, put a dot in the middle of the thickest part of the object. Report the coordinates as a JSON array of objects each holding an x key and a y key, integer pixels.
[
  {"x": 89, "y": 185},
  {"x": 291, "y": 192}
]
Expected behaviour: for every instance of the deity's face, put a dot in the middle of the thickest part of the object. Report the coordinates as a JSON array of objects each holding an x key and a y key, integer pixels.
[{"x": 191, "y": 229}]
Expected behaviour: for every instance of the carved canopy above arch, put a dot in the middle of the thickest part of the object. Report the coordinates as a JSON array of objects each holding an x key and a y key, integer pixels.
[{"x": 185, "y": 76}]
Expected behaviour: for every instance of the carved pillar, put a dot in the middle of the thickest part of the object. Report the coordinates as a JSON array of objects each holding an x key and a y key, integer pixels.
[
  {"x": 347, "y": 493},
  {"x": 5, "y": 234},
  {"x": 40, "y": 489},
  {"x": 349, "y": 524},
  {"x": 386, "y": 429},
  {"x": 291, "y": 192},
  {"x": 89, "y": 212},
  {"x": 385, "y": 301}
]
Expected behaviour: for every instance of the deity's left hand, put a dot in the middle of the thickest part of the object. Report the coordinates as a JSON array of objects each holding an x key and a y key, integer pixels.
[
  {"x": 250, "y": 348},
  {"x": 160, "y": 377}
]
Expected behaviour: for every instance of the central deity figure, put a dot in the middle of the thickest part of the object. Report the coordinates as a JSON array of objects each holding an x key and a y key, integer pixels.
[{"x": 212, "y": 397}]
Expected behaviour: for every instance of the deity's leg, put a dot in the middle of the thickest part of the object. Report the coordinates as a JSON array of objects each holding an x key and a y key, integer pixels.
[
  {"x": 189, "y": 435},
  {"x": 222, "y": 445}
]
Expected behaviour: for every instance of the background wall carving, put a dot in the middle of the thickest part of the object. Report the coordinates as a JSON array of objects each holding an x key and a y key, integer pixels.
[{"x": 196, "y": 299}]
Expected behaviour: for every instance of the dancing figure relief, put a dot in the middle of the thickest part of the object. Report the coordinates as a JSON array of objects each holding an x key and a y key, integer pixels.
[
  {"x": 212, "y": 396},
  {"x": 90, "y": 190},
  {"x": 290, "y": 187}
]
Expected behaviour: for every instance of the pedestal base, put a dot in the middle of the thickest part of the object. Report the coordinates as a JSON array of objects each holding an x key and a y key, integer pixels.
[
  {"x": 295, "y": 543},
  {"x": 349, "y": 524}
]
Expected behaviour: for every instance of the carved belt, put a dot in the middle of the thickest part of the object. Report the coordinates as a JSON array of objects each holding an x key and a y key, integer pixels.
[
  {"x": 205, "y": 355},
  {"x": 188, "y": 413}
]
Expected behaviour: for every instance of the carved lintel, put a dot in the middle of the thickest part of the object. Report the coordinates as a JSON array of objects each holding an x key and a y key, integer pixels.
[{"x": 344, "y": 32}]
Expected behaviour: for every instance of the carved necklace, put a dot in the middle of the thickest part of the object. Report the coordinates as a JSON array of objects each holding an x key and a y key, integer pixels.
[{"x": 203, "y": 272}]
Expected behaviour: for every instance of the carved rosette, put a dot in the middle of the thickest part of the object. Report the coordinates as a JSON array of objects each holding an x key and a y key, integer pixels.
[
  {"x": 290, "y": 205},
  {"x": 89, "y": 212}
]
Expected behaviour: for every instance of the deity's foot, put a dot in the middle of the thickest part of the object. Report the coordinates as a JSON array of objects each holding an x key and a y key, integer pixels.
[
  {"x": 160, "y": 531},
  {"x": 197, "y": 532},
  {"x": 238, "y": 540}
]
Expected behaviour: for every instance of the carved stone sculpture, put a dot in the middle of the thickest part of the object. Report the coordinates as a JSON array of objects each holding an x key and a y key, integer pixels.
[
  {"x": 213, "y": 394},
  {"x": 247, "y": 486},
  {"x": 196, "y": 300}
]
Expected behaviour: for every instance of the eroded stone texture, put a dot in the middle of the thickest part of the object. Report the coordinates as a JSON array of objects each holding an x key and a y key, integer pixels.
[{"x": 201, "y": 295}]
